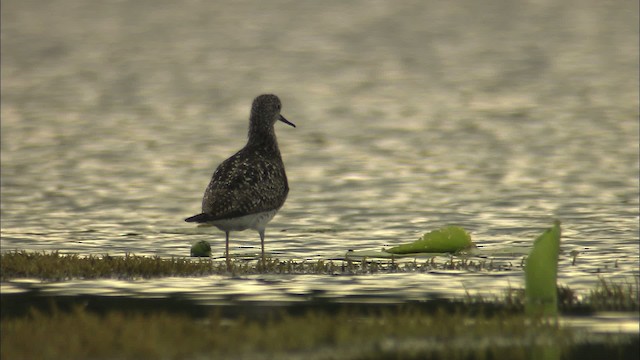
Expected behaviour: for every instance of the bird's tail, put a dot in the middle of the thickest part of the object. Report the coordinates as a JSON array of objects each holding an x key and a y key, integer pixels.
[{"x": 200, "y": 218}]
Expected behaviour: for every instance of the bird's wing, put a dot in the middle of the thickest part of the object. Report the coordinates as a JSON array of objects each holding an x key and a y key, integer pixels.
[{"x": 244, "y": 185}]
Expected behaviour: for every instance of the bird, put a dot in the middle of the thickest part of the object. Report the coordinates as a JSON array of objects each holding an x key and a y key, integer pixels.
[{"x": 247, "y": 189}]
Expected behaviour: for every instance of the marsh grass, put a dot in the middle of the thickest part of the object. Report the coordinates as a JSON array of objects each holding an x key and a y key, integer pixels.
[
  {"x": 606, "y": 296},
  {"x": 55, "y": 266},
  {"x": 80, "y": 334},
  {"x": 615, "y": 296},
  {"x": 477, "y": 327}
]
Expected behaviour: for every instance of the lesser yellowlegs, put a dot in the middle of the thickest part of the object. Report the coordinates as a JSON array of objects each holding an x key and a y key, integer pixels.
[{"x": 247, "y": 189}]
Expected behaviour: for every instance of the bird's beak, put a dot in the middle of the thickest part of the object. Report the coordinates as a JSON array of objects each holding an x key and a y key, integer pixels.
[{"x": 281, "y": 118}]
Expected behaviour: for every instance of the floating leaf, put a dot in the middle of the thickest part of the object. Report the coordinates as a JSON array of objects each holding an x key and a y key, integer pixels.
[
  {"x": 541, "y": 274},
  {"x": 201, "y": 249},
  {"x": 447, "y": 239}
]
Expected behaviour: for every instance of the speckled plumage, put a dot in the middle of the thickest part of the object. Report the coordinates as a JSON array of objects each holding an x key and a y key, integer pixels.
[
  {"x": 251, "y": 181},
  {"x": 247, "y": 189}
]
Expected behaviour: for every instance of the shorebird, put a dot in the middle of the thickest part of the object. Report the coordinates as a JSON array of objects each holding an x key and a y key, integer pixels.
[{"x": 247, "y": 190}]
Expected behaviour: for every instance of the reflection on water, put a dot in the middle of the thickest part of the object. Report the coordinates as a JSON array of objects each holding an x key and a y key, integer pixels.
[
  {"x": 283, "y": 288},
  {"x": 606, "y": 323},
  {"x": 411, "y": 115}
]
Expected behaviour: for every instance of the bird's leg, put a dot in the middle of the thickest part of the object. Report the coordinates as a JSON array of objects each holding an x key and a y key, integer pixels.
[
  {"x": 264, "y": 264},
  {"x": 227, "y": 250}
]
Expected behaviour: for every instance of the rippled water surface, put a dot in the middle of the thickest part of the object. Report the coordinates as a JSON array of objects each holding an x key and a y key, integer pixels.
[{"x": 495, "y": 116}]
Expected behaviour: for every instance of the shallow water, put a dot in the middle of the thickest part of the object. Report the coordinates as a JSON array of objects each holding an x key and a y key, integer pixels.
[{"x": 498, "y": 117}]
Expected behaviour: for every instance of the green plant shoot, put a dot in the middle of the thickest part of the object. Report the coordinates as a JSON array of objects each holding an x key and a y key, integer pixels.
[{"x": 541, "y": 274}]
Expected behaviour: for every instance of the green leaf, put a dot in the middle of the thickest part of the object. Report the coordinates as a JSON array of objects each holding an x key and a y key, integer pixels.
[
  {"x": 541, "y": 274},
  {"x": 201, "y": 249},
  {"x": 446, "y": 239}
]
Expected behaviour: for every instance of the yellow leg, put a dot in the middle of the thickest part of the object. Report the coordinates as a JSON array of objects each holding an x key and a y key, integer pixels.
[
  {"x": 227, "y": 251},
  {"x": 264, "y": 263}
]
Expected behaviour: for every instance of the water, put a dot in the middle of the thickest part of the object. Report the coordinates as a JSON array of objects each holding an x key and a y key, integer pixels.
[{"x": 496, "y": 116}]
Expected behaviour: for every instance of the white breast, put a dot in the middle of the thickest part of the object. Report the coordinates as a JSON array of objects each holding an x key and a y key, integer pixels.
[{"x": 256, "y": 221}]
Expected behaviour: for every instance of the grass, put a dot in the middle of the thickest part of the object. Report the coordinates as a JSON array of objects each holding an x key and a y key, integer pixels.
[
  {"x": 80, "y": 335},
  {"x": 402, "y": 333},
  {"x": 55, "y": 266},
  {"x": 475, "y": 328},
  {"x": 615, "y": 296}
]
